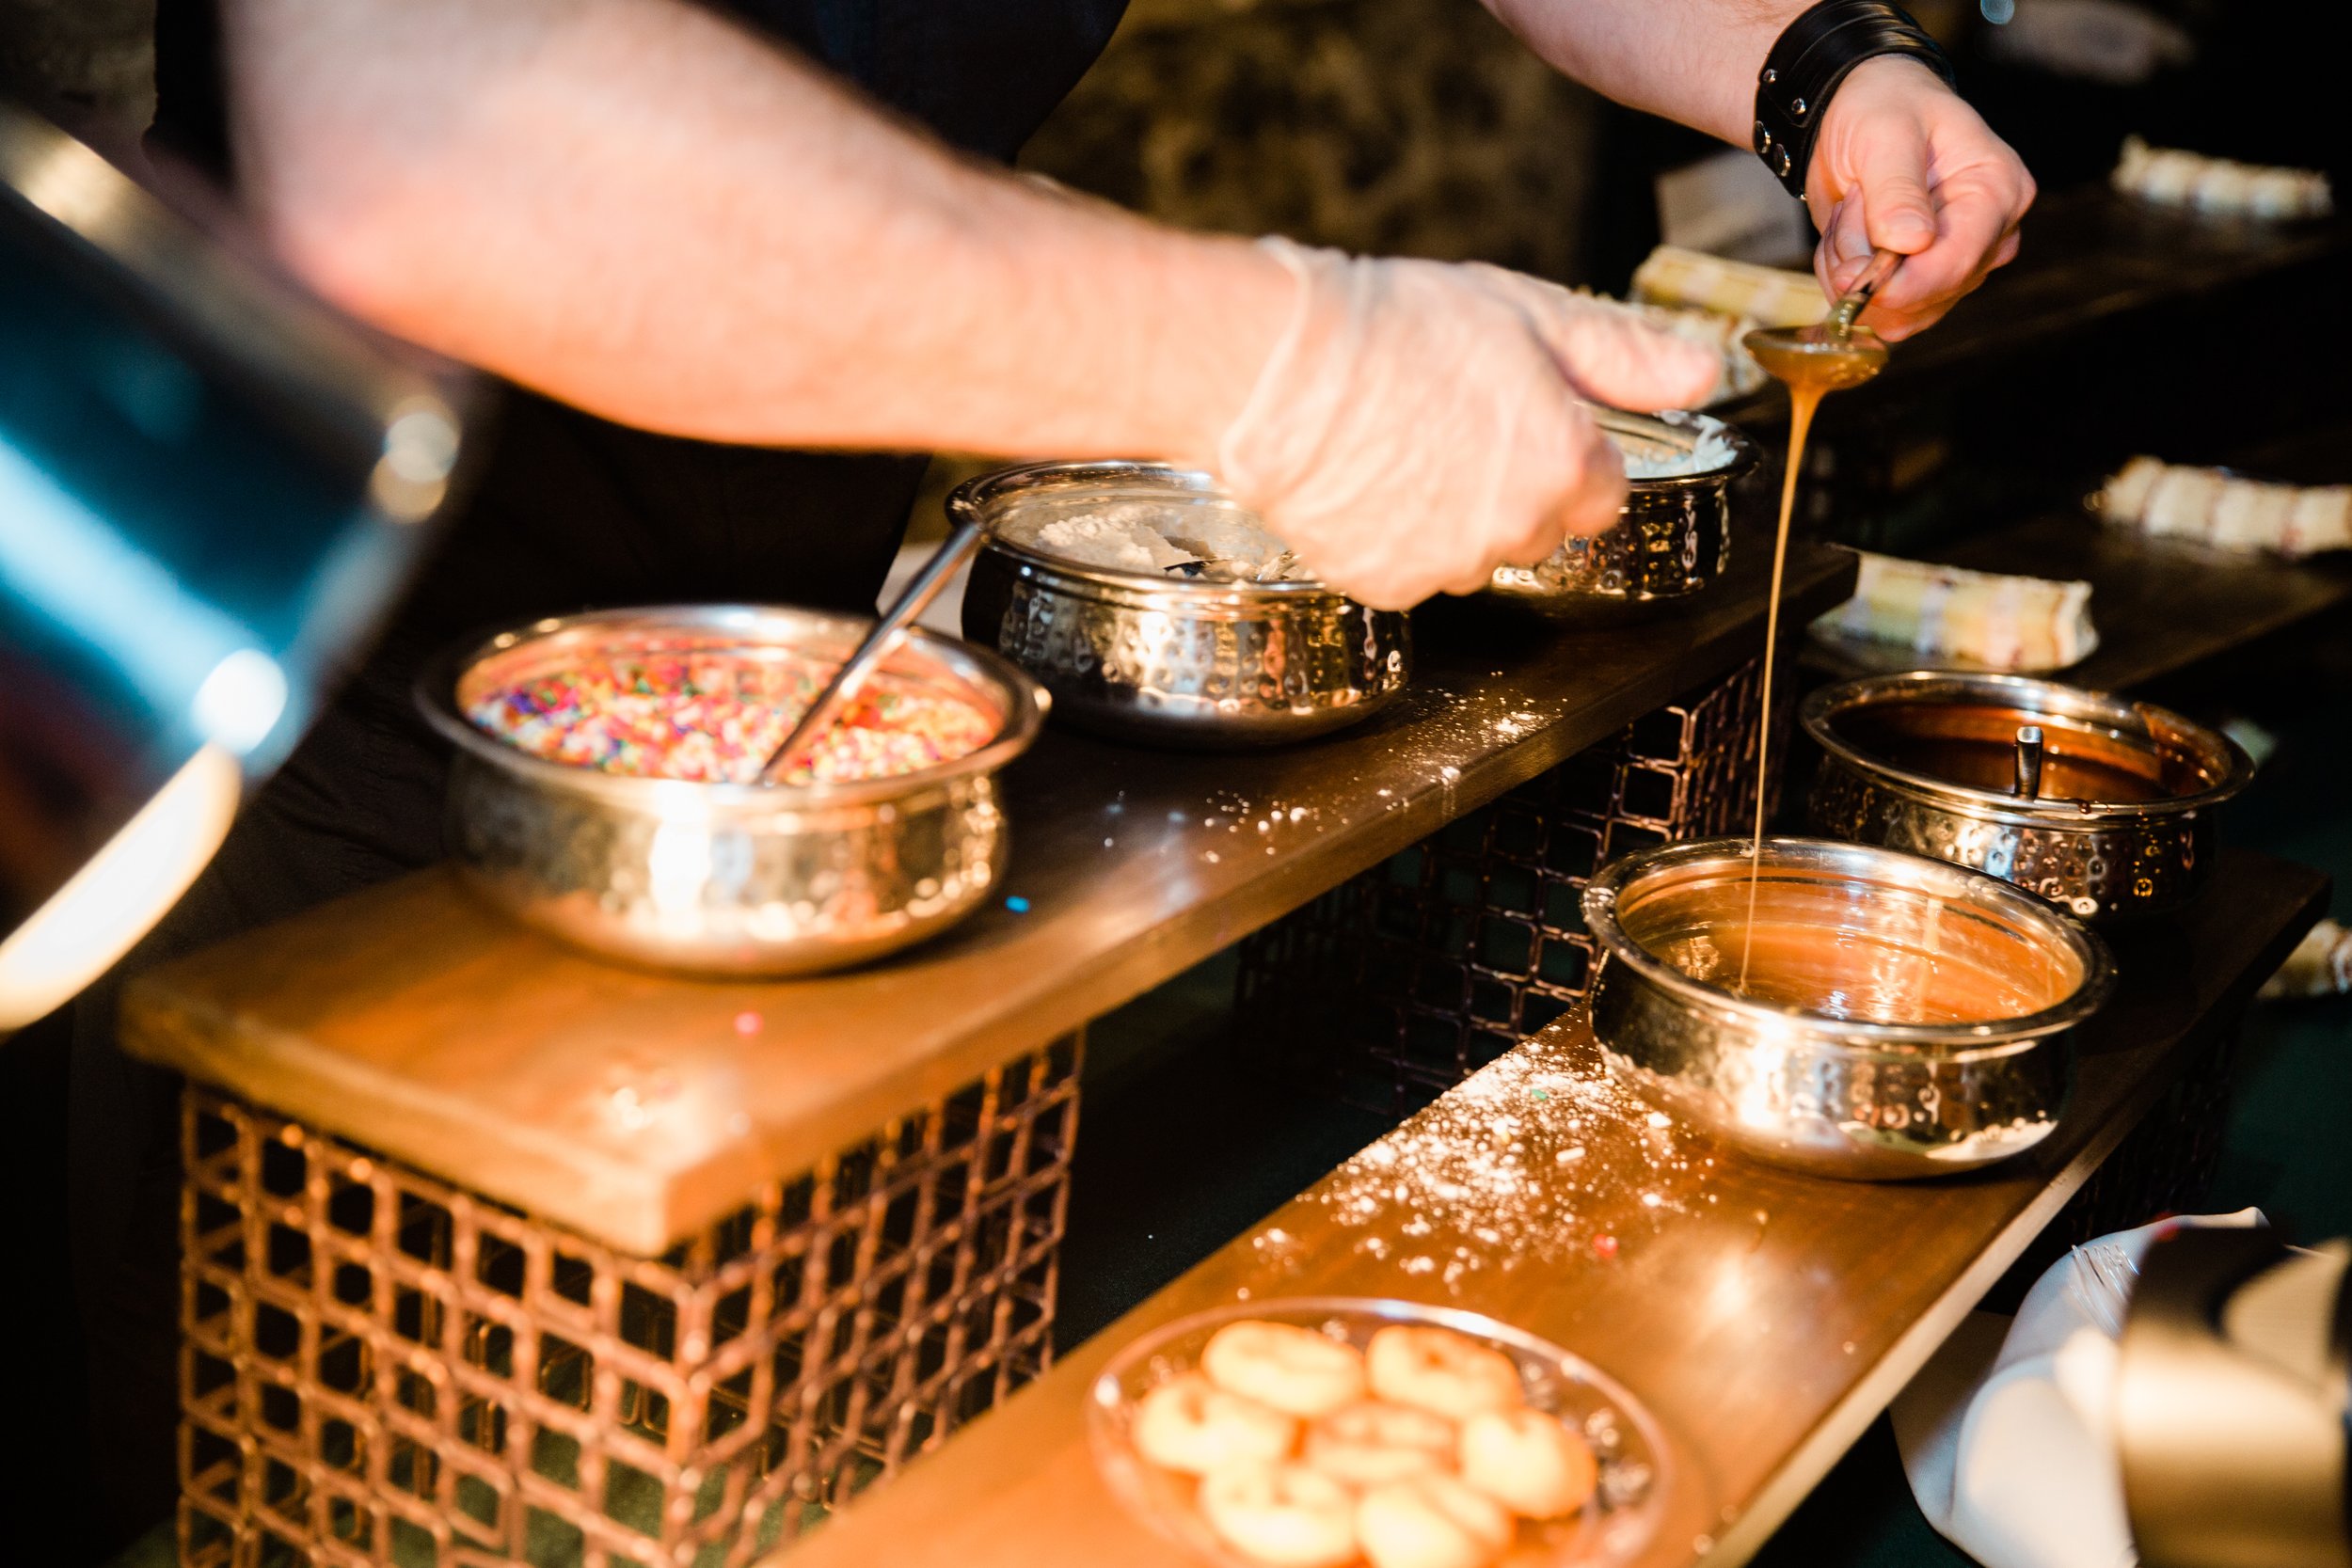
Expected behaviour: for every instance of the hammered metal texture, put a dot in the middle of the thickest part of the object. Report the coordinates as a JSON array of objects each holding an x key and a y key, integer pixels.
[
  {"x": 1188, "y": 667},
  {"x": 1668, "y": 545},
  {"x": 1673, "y": 536},
  {"x": 1874, "y": 1097},
  {"x": 752, "y": 887},
  {"x": 2099, "y": 870},
  {"x": 1808, "y": 1101},
  {"x": 722, "y": 877},
  {"x": 1401, "y": 982},
  {"x": 378, "y": 1368}
]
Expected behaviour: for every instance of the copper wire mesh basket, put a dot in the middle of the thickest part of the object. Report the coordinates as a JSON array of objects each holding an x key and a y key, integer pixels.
[
  {"x": 1401, "y": 982},
  {"x": 379, "y": 1369}
]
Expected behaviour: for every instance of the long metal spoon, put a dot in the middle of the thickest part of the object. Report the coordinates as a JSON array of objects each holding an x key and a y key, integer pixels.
[{"x": 887, "y": 634}]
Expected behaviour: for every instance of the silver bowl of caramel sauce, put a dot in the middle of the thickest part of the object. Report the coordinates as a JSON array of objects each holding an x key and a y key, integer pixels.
[
  {"x": 1855, "y": 1012},
  {"x": 2114, "y": 819}
]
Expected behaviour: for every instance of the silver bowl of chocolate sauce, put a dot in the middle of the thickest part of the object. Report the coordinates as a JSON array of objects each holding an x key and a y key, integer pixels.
[
  {"x": 717, "y": 877},
  {"x": 1186, "y": 658},
  {"x": 1900, "y": 1017},
  {"x": 1671, "y": 541},
  {"x": 2103, "y": 805}
]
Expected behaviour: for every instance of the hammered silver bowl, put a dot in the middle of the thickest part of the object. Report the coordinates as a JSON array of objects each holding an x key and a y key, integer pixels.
[
  {"x": 1672, "y": 540},
  {"x": 1172, "y": 660},
  {"x": 1848, "y": 1056},
  {"x": 717, "y": 879},
  {"x": 1894, "y": 749}
]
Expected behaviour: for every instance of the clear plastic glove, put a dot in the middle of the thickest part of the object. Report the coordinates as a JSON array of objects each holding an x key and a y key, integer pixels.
[{"x": 1420, "y": 423}]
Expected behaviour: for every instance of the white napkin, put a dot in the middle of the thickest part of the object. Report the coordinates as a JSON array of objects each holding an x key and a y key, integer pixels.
[{"x": 2004, "y": 1433}]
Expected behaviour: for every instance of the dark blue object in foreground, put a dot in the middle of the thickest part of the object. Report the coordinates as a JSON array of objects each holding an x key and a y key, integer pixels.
[{"x": 210, "y": 488}]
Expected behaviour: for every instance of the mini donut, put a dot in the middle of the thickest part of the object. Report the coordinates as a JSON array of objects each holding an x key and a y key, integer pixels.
[
  {"x": 1431, "y": 1521},
  {"x": 1280, "y": 1515},
  {"x": 1368, "y": 1444},
  {"x": 1296, "y": 1371},
  {"x": 1527, "y": 1462},
  {"x": 1437, "y": 1369},
  {"x": 1190, "y": 1424}
]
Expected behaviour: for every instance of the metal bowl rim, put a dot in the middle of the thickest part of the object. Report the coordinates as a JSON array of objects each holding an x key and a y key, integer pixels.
[
  {"x": 977, "y": 495},
  {"x": 1958, "y": 882},
  {"x": 1744, "y": 451},
  {"x": 1718, "y": 477},
  {"x": 1134, "y": 591},
  {"x": 1821, "y": 706},
  {"x": 436, "y": 695}
]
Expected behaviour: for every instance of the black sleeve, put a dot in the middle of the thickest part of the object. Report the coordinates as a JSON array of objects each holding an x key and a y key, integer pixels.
[{"x": 191, "y": 97}]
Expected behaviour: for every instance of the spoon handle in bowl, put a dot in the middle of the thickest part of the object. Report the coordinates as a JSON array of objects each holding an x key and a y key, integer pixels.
[{"x": 887, "y": 634}]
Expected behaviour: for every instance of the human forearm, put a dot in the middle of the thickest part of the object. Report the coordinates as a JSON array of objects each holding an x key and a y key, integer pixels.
[
  {"x": 634, "y": 207},
  {"x": 1693, "y": 61}
]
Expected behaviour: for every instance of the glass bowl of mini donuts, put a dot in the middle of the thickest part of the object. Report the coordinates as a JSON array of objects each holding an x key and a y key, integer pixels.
[{"x": 1332, "y": 1432}]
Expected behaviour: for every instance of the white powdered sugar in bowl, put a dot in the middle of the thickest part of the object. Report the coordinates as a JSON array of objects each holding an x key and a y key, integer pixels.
[
  {"x": 1209, "y": 540},
  {"x": 1646, "y": 458}
]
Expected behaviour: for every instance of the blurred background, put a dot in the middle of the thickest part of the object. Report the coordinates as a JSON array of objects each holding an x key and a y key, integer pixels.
[{"x": 1420, "y": 127}]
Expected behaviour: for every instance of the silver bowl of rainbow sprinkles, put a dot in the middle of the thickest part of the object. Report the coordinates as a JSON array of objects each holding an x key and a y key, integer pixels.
[{"x": 723, "y": 877}]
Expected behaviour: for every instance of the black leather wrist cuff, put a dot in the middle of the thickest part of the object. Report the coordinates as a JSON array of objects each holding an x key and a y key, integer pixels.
[{"x": 1808, "y": 60}]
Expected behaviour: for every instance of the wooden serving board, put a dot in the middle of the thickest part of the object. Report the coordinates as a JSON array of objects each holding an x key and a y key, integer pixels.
[{"x": 1764, "y": 1316}]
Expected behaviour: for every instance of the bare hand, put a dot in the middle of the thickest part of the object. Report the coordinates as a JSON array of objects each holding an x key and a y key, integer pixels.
[{"x": 1903, "y": 164}]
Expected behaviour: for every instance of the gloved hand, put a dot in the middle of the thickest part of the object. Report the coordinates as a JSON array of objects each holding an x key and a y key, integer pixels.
[
  {"x": 1420, "y": 423},
  {"x": 1903, "y": 164}
]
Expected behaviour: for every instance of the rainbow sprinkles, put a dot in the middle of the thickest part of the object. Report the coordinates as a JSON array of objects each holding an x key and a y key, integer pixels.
[{"x": 715, "y": 718}]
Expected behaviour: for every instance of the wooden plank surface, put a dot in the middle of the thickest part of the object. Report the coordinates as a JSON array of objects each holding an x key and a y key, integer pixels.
[
  {"x": 637, "y": 1108},
  {"x": 1764, "y": 1316},
  {"x": 2161, "y": 605}
]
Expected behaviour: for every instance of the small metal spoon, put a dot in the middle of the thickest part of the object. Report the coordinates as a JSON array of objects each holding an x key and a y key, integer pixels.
[
  {"x": 887, "y": 634},
  {"x": 1836, "y": 352}
]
